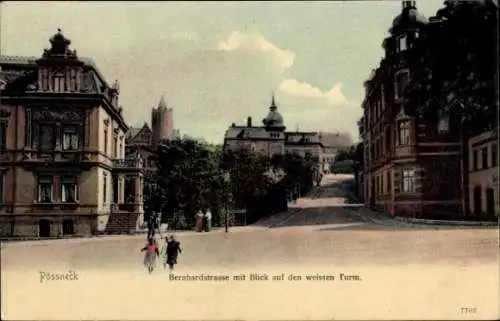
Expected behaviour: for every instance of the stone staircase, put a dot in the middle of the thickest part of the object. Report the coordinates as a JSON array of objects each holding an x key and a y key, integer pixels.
[{"x": 121, "y": 222}]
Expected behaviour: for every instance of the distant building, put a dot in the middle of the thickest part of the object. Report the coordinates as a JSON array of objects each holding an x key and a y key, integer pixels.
[
  {"x": 272, "y": 139},
  {"x": 332, "y": 144},
  {"x": 145, "y": 139},
  {"x": 484, "y": 175},
  {"x": 411, "y": 164},
  {"x": 63, "y": 169}
]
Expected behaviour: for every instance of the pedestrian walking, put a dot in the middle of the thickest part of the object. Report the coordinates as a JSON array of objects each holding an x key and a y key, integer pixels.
[
  {"x": 208, "y": 221},
  {"x": 173, "y": 248},
  {"x": 199, "y": 221},
  {"x": 151, "y": 253}
]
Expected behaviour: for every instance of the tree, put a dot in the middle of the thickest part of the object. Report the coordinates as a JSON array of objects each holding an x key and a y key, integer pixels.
[
  {"x": 188, "y": 179},
  {"x": 456, "y": 59},
  {"x": 457, "y": 65}
]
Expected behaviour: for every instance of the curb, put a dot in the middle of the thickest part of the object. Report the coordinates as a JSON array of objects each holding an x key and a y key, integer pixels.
[{"x": 444, "y": 222}]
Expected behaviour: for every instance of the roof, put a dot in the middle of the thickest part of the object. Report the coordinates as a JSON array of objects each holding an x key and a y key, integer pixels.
[
  {"x": 408, "y": 16},
  {"x": 132, "y": 132},
  {"x": 245, "y": 132},
  {"x": 31, "y": 60},
  {"x": 20, "y": 74}
]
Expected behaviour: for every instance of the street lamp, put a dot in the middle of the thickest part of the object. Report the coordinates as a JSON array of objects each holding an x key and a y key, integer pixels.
[{"x": 227, "y": 181}]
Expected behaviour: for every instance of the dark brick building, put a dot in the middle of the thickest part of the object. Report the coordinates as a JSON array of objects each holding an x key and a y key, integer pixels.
[{"x": 411, "y": 164}]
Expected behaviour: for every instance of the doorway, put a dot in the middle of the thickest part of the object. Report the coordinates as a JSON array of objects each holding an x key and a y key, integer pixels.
[
  {"x": 490, "y": 202},
  {"x": 477, "y": 200},
  {"x": 68, "y": 227},
  {"x": 44, "y": 228}
]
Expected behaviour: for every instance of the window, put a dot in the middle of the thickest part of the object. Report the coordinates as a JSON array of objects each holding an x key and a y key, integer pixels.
[
  {"x": 402, "y": 43},
  {"x": 389, "y": 181},
  {"x": 404, "y": 132},
  {"x": 72, "y": 80},
  {"x": 484, "y": 157},
  {"x": 408, "y": 181},
  {"x": 69, "y": 189},
  {"x": 45, "y": 189},
  {"x": 70, "y": 138},
  {"x": 494, "y": 155},
  {"x": 45, "y": 79},
  {"x": 105, "y": 141},
  {"x": 402, "y": 78},
  {"x": 474, "y": 160},
  {"x": 120, "y": 151},
  {"x": 417, "y": 35},
  {"x": 1, "y": 186},
  {"x": 115, "y": 140},
  {"x": 443, "y": 123},
  {"x": 58, "y": 82},
  {"x": 3, "y": 136},
  {"x": 105, "y": 189},
  {"x": 47, "y": 137}
]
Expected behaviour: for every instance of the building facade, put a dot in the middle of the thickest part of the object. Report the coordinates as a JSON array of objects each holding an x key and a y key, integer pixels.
[
  {"x": 484, "y": 175},
  {"x": 412, "y": 165},
  {"x": 63, "y": 169}
]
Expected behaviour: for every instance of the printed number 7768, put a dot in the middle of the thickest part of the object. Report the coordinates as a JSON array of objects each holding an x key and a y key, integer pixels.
[{"x": 468, "y": 310}]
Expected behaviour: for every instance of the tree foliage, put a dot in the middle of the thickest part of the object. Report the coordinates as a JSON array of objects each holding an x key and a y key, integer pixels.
[
  {"x": 456, "y": 63},
  {"x": 353, "y": 153},
  {"x": 193, "y": 176},
  {"x": 187, "y": 179}
]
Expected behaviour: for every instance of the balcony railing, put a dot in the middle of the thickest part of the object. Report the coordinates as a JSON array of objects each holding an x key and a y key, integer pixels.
[{"x": 128, "y": 163}]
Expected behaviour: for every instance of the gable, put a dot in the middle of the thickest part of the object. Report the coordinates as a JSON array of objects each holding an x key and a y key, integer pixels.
[{"x": 140, "y": 136}]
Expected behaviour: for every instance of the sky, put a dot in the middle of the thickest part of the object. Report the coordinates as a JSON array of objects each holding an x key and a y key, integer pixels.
[{"x": 216, "y": 63}]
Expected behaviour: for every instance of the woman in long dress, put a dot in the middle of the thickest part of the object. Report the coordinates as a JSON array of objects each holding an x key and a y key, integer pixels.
[{"x": 151, "y": 254}]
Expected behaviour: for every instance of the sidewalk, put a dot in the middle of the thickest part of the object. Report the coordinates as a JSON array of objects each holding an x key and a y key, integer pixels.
[
  {"x": 445, "y": 222},
  {"x": 384, "y": 218},
  {"x": 141, "y": 234}
]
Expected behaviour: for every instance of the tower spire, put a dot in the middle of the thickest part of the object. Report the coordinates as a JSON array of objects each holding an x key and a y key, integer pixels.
[{"x": 273, "y": 103}]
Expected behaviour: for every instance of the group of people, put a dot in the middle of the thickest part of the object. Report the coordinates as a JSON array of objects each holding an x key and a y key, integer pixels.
[
  {"x": 170, "y": 251},
  {"x": 203, "y": 221}
]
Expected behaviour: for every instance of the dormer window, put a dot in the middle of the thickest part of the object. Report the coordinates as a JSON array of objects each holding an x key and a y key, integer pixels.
[
  {"x": 58, "y": 84},
  {"x": 73, "y": 84},
  {"x": 402, "y": 43},
  {"x": 44, "y": 79}
]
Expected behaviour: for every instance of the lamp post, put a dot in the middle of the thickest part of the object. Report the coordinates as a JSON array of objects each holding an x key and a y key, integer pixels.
[{"x": 227, "y": 181}]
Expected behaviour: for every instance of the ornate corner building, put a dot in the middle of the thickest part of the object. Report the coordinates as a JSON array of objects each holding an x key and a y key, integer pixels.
[
  {"x": 412, "y": 166},
  {"x": 63, "y": 169}
]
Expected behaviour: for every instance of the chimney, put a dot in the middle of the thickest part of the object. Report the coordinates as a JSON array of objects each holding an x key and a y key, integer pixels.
[
  {"x": 233, "y": 125},
  {"x": 249, "y": 122}
]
